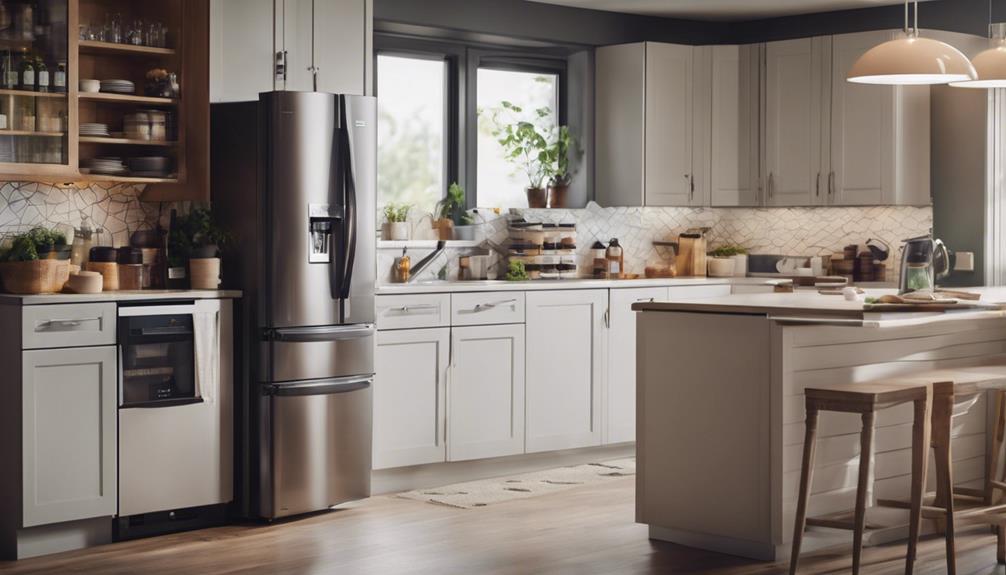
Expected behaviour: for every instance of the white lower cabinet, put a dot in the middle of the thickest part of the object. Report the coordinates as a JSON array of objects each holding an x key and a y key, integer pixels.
[
  {"x": 565, "y": 359},
  {"x": 620, "y": 404},
  {"x": 485, "y": 394},
  {"x": 68, "y": 446},
  {"x": 410, "y": 397}
]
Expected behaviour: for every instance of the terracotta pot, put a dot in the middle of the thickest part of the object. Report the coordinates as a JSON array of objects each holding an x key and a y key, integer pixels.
[
  {"x": 444, "y": 228},
  {"x": 537, "y": 198},
  {"x": 557, "y": 195}
]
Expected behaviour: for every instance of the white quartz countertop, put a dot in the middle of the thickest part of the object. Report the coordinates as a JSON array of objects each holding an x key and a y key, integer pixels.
[
  {"x": 808, "y": 306},
  {"x": 141, "y": 295},
  {"x": 535, "y": 285}
]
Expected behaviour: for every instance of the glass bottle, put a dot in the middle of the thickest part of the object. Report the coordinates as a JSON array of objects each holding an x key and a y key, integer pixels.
[
  {"x": 59, "y": 78},
  {"x": 615, "y": 262},
  {"x": 41, "y": 75},
  {"x": 27, "y": 70},
  {"x": 10, "y": 73}
]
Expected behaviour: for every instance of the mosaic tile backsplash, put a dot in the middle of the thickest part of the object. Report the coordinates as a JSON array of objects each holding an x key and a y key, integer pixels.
[
  {"x": 781, "y": 231},
  {"x": 115, "y": 208}
]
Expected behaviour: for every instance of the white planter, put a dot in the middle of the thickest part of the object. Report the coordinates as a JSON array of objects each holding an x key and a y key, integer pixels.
[
  {"x": 720, "y": 267},
  {"x": 464, "y": 232},
  {"x": 396, "y": 231},
  {"x": 740, "y": 265}
]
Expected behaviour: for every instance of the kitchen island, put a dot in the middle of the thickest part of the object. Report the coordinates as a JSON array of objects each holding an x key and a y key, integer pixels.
[{"x": 720, "y": 414}]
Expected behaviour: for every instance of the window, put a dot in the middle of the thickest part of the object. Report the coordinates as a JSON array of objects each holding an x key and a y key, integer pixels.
[
  {"x": 500, "y": 182},
  {"x": 412, "y": 131}
]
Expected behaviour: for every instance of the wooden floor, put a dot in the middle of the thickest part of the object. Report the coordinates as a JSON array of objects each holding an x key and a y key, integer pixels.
[{"x": 583, "y": 530}]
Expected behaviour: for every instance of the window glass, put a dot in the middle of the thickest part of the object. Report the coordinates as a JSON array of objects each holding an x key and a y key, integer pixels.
[
  {"x": 501, "y": 93},
  {"x": 411, "y": 108}
]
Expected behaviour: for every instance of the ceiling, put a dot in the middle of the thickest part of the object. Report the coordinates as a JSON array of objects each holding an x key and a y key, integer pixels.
[{"x": 720, "y": 9}]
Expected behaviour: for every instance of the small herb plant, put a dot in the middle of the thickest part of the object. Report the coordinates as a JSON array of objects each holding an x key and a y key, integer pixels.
[
  {"x": 197, "y": 229},
  {"x": 728, "y": 251},
  {"x": 516, "y": 272},
  {"x": 395, "y": 213},
  {"x": 27, "y": 246},
  {"x": 452, "y": 207}
]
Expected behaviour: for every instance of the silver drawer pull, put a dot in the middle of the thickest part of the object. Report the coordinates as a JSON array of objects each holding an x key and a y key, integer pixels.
[
  {"x": 649, "y": 299},
  {"x": 63, "y": 324},
  {"x": 421, "y": 307},
  {"x": 489, "y": 306}
]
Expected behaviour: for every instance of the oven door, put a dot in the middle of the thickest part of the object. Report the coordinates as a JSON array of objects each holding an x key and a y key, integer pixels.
[{"x": 157, "y": 357}]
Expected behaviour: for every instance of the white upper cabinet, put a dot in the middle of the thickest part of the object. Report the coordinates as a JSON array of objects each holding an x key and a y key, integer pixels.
[
  {"x": 794, "y": 105},
  {"x": 647, "y": 152},
  {"x": 875, "y": 132},
  {"x": 262, "y": 45},
  {"x": 735, "y": 119}
]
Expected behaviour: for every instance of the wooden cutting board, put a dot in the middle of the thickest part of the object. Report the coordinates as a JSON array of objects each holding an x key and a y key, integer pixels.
[{"x": 930, "y": 307}]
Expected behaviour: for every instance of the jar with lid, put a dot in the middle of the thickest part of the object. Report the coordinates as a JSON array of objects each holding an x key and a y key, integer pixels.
[
  {"x": 599, "y": 268},
  {"x": 613, "y": 256},
  {"x": 131, "y": 268},
  {"x": 102, "y": 259},
  {"x": 81, "y": 248}
]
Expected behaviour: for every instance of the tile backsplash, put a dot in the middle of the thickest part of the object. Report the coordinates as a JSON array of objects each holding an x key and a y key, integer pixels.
[
  {"x": 115, "y": 208},
  {"x": 782, "y": 231}
]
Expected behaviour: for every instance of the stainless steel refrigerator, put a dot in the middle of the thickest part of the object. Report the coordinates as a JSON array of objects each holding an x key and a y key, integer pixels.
[{"x": 293, "y": 179}]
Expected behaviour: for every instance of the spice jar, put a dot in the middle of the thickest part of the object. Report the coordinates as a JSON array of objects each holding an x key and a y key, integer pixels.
[
  {"x": 102, "y": 260},
  {"x": 614, "y": 258},
  {"x": 131, "y": 269},
  {"x": 599, "y": 268}
]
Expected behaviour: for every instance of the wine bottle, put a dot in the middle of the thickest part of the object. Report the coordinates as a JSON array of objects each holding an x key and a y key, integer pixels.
[
  {"x": 41, "y": 75},
  {"x": 27, "y": 72}
]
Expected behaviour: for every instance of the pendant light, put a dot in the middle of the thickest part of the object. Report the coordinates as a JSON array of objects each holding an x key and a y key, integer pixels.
[
  {"x": 990, "y": 64},
  {"x": 912, "y": 60}
]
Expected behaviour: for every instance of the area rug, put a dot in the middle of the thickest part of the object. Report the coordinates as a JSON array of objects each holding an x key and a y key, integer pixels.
[{"x": 475, "y": 494}]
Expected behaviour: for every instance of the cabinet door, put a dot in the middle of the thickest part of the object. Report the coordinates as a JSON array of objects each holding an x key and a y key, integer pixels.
[
  {"x": 341, "y": 53},
  {"x": 620, "y": 405},
  {"x": 862, "y": 129},
  {"x": 793, "y": 122},
  {"x": 619, "y": 102},
  {"x": 668, "y": 125},
  {"x": 241, "y": 49},
  {"x": 566, "y": 344},
  {"x": 68, "y": 439},
  {"x": 485, "y": 393},
  {"x": 409, "y": 397},
  {"x": 736, "y": 115}
]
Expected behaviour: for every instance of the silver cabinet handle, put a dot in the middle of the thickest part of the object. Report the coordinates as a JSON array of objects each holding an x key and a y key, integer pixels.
[
  {"x": 771, "y": 184},
  {"x": 65, "y": 324},
  {"x": 817, "y": 186},
  {"x": 831, "y": 184},
  {"x": 420, "y": 307},
  {"x": 280, "y": 66},
  {"x": 649, "y": 299},
  {"x": 488, "y": 306},
  {"x": 607, "y": 318}
]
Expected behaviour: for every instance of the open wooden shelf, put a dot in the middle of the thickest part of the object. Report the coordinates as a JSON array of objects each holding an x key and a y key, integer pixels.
[
  {"x": 29, "y": 94},
  {"x": 127, "y": 99},
  {"x": 124, "y": 141},
  {"x": 126, "y": 179},
  {"x": 31, "y": 133},
  {"x": 96, "y": 47}
]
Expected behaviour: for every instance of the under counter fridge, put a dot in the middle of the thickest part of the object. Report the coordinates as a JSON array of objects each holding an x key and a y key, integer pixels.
[{"x": 293, "y": 179}]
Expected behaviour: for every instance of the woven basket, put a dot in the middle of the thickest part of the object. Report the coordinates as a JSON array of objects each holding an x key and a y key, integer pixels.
[{"x": 34, "y": 277}]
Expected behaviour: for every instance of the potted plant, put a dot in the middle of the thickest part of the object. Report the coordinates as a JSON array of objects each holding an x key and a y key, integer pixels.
[
  {"x": 559, "y": 163},
  {"x": 36, "y": 261},
  {"x": 525, "y": 145},
  {"x": 196, "y": 240},
  {"x": 728, "y": 261},
  {"x": 396, "y": 226},
  {"x": 451, "y": 219}
]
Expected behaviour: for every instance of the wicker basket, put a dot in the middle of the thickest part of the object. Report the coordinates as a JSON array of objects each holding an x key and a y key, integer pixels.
[{"x": 35, "y": 277}]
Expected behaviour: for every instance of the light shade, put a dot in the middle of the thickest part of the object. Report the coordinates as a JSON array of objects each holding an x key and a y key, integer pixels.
[
  {"x": 912, "y": 61},
  {"x": 991, "y": 68}
]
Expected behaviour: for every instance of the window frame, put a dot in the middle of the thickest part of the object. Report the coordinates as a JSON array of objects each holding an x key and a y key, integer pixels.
[{"x": 463, "y": 61}]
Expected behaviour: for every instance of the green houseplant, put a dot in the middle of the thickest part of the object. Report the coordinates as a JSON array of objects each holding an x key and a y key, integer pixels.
[
  {"x": 728, "y": 260},
  {"x": 195, "y": 241},
  {"x": 525, "y": 145},
  {"x": 451, "y": 219},
  {"x": 396, "y": 221},
  {"x": 36, "y": 261},
  {"x": 563, "y": 145}
]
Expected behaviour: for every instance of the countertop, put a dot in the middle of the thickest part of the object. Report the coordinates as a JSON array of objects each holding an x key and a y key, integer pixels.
[
  {"x": 142, "y": 295},
  {"x": 536, "y": 285},
  {"x": 812, "y": 307}
]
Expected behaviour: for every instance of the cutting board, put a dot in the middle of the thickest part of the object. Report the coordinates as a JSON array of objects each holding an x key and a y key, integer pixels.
[
  {"x": 691, "y": 258},
  {"x": 930, "y": 307}
]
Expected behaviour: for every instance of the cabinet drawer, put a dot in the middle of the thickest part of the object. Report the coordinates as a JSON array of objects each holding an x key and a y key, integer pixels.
[
  {"x": 69, "y": 325},
  {"x": 698, "y": 292},
  {"x": 487, "y": 308},
  {"x": 417, "y": 310}
]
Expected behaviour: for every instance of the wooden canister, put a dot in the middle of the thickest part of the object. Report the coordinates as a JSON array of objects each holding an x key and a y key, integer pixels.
[{"x": 109, "y": 274}]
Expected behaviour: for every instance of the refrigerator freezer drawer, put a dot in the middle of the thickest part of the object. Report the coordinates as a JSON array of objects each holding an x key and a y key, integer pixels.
[
  {"x": 319, "y": 353},
  {"x": 321, "y": 445},
  {"x": 174, "y": 457}
]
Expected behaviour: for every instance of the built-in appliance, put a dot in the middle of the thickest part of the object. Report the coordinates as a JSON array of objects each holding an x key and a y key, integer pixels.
[
  {"x": 175, "y": 422},
  {"x": 294, "y": 179},
  {"x": 924, "y": 260}
]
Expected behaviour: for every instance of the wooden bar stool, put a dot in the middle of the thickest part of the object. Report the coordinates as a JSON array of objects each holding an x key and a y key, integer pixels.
[
  {"x": 953, "y": 393},
  {"x": 865, "y": 399}
]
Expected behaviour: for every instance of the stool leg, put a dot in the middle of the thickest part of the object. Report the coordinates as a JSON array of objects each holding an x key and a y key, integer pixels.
[
  {"x": 998, "y": 431},
  {"x": 1001, "y": 544},
  {"x": 806, "y": 472},
  {"x": 865, "y": 450},
  {"x": 943, "y": 409},
  {"x": 920, "y": 456}
]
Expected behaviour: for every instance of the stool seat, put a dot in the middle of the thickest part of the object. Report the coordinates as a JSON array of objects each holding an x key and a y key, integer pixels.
[{"x": 864, "y": 397}]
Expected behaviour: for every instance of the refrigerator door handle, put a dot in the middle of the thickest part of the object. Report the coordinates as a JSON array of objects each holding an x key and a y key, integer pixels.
[
  {"x": 325, "y": 333},
  {"x": 322, "y": 387},
  {"x": 350, "y": 183}
]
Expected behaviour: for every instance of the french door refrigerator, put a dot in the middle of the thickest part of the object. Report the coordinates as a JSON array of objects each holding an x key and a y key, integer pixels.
[{"x": 293, "y": 179}]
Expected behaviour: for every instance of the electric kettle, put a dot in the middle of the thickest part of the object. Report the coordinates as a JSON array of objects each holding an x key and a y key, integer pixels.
[{"x": 923, "y": 261}]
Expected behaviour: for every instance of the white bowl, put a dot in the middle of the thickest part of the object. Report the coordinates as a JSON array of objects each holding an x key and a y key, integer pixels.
[{"x": 87, "y": 85}]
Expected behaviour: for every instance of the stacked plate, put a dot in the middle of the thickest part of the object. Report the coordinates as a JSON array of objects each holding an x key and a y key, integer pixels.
[
  {"x": 94, "y": 129},
  {"x": 118, "y": 86},
  {"x": 107, "y": 165}
]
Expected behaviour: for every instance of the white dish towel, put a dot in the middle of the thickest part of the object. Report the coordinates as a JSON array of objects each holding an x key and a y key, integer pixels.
[{"x": 206, "y": 326}]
